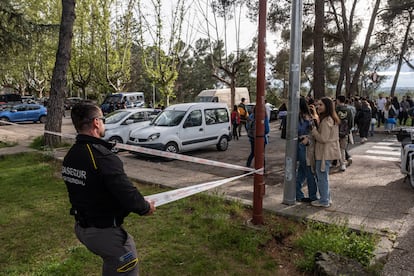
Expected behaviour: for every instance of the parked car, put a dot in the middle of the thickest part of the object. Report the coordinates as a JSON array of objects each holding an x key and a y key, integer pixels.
[
  {"x": 274, "y": 111},
  {"x": 122, "y": 100},
  {"x": 184, "y": 127},
  {"x": 24, "y": 112},
  {"x": 119, "y": 123},
  {"x": 71, "y": 101}
]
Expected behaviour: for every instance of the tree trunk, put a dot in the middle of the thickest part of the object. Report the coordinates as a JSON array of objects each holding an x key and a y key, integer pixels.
[
  {"x": 59, "y": 77},
  {"x": 233, "y": 91},
  {"x": 318, "y": 58},
  {"x": 401, "y": 57},
  {"x": 357, "y": 73}
]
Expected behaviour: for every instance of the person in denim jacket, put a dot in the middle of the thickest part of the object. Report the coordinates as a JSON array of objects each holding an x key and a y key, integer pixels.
[{"x": 304, "y": 171}]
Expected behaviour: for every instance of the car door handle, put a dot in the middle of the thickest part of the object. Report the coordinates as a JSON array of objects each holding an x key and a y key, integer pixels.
[{"x": 200, "y": 129}]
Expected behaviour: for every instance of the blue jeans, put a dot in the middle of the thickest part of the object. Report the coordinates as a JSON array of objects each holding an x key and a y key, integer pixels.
[
  {"x": 371, "y": 131},
  {"x": 304, "y": 172},
  {"x": 251, "y": 155},
  {"x": 323, "y": 181}
]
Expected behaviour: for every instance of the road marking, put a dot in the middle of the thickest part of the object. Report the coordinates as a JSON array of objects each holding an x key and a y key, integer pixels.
[
  {"x": 386, "y": 143},
  {"x": 382, "y": 158},
  {"x": 384, "y": 152},
  {"x": 386, "y": 148}
]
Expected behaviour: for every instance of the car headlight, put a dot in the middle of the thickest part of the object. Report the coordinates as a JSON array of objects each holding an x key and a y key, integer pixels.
[{"x": 153, "y": 137}]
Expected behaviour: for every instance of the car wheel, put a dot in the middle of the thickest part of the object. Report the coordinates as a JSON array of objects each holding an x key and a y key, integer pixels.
[
  {"x": 42, "y": 119},
  {"x": 223, "y": 143},
  {"x": 4, "y": 119},
  {"x": 115, "y": 140},
  {"x": 171, "y": 147}
]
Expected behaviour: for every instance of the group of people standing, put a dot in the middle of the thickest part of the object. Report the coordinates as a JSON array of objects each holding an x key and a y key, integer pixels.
[
  {"x": 390, "y": 111},
  {"x": 326, "y": 128},
  {"x": 318, "y": 146}
]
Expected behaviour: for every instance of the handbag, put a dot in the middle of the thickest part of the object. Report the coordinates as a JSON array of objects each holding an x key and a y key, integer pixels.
[{"x": 373, "y": 121}]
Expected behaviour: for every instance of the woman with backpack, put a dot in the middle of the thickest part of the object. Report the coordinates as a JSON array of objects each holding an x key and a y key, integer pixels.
[
  {"x": 390, "y": 115},
  {"x": 235, "y": 121},
  {"x": 326, "y": 137}
]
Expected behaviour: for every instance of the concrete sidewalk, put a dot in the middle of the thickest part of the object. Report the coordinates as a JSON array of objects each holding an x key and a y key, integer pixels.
[{"x": 369, "y": 195}]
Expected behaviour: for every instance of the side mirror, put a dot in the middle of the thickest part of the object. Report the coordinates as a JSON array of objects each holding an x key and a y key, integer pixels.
[
  {"x": 187, "y": 124},
  {"x": 129, "y": 121}
]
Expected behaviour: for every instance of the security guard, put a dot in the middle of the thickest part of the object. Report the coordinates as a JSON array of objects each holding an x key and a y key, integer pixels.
[{"x": 101, "y": 194}]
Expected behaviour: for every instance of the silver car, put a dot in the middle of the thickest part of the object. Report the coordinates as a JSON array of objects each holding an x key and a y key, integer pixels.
[{"x": 119, "y": 123}]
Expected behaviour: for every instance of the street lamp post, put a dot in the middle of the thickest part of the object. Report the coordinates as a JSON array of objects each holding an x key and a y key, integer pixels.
[{"x": 289, "y": 190}]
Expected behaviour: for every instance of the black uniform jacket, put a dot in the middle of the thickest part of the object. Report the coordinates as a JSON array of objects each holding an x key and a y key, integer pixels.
[{"x": 99, "y": 190}]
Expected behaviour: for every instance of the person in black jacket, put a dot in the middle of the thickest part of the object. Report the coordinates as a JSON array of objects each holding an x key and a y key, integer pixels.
[
  {"x": 101, "y": 194},
  {"x": 364, "y": 116}
]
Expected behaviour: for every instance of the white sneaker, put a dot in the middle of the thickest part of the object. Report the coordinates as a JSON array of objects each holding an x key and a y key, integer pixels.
[
  {"x": 343, "y": 167},
  {"x": 316, "y": 203}
]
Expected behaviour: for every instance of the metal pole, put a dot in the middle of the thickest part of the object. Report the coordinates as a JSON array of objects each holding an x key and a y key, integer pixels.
[
  {"x": 259, "y": 185},
  {"x": 153, "y": 95},
  {"x": 289, "y": 190}
]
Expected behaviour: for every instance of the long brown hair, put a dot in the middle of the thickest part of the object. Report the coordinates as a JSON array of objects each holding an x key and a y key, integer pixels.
[{"x": 329, "y": 110}]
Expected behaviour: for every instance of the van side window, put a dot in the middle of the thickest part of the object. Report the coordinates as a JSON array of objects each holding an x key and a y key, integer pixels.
[
  {"x": 210, "y": 117},
  {"x": 216, "y": 116},
  {"x": 193, "y": 119}
]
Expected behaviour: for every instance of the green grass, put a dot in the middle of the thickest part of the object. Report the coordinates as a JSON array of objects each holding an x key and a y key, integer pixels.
[
  {"x": 39, "y": 143},
  {"x": 200, "y": 235},
  {"x": 336, "y": 238}
]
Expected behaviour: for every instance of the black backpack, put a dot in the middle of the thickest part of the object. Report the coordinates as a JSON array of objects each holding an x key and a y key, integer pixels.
[
  {"x": 343, "y": 128},
  {"x": 251, "y": 127},
  {"x": 391, "y": 112}
]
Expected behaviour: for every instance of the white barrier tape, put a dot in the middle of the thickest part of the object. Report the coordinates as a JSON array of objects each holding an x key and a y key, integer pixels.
[
  {"x": 71, "y": 136},
  {"x": 183, "y": 157},
  {"x": 163, "y": 153},
  {"x": 174, "y": 195},
  {"x": 168, "y": 154},
  {"x": 8, "y": 123}
]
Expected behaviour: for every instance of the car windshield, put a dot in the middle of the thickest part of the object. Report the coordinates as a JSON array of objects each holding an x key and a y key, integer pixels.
[
  {"x": 169, "y": 118},
  {"x": 116, "y": 116},
  {"x": 204, "y": 98},
  {"x": 112, "y": 99}
]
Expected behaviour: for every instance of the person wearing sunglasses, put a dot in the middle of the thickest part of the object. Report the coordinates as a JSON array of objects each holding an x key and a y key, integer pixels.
[{"x": 101, "y": 194}]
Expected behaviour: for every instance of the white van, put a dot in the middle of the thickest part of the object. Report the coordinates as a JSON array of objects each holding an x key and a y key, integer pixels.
[
  {"x": 121, "y": 100},
  {"x": 187, "y": 126},
  {"x": 223, "y": 96}
]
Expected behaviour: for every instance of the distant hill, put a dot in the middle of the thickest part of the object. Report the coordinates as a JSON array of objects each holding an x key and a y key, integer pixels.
[{"x": 398, "y": 90}]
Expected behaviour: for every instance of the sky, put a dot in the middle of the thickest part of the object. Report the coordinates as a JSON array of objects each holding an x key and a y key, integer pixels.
[
  {"x": 249, "y": 30},
  {"x": 405, "y": 78}
]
